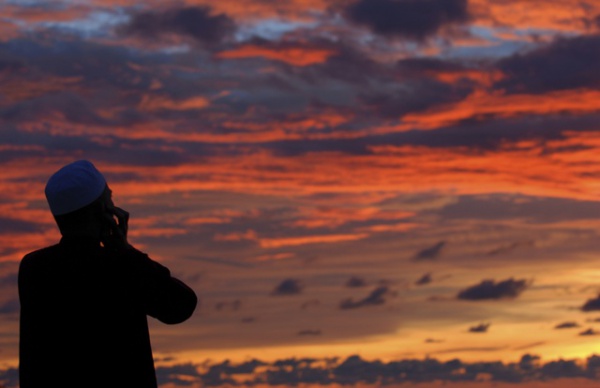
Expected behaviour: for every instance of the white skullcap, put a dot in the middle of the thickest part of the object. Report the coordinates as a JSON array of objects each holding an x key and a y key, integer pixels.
[{"x": 74, "y": 186}]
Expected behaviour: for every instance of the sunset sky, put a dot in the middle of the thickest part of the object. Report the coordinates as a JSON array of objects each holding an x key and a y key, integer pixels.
[{"x": 359, "y": 191}]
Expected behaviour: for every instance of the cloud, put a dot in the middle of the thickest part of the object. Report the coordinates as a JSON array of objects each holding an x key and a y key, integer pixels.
[
  {"x": 288, "y": 287},
  {"x": 10, "y": 307},
  {"x": 490, "y": 290},
  {"x": 481, "y": 328},
  {"x": 10, "y": 280},
  {"x": 412, "y": 96},
  {"x": 425, "y": 279},
  {"x": 221, "y": 374},
  {"x": 591, "y": 304},
  {"x": 567, "y": 325},
  {"x": 429, "y": 66},
  {"x": 566, "y": 63},
  {"x": 376, "y": 297},
  {"x": 9, "y": 377},
  {"x": 291, "y": 53},
  {"x": 409, "y": 19},
  {"x": 356, "y": 282},
  {"x": 197, "y": 23},
  {"x": 177, "y": 374},
  {"x": 533, "y": 208},
  {"x": 355, "y": 370},
  {"x": 430, "y": 253},
  {"x": 589, "y": 331}
]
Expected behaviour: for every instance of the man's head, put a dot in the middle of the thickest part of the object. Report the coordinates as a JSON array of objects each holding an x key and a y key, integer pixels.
[{"x": 78, "y": 196}]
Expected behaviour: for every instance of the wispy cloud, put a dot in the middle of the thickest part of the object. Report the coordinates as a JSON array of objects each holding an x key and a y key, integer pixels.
[
  {"x": 376, "y": 297},
  {"x": 432, "y": 252}
]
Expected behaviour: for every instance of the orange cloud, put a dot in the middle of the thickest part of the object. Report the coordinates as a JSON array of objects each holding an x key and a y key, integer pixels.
[
  {"x": 247, "y": 235},
  {"x": 482, "y": 103},
  {"x": 32, "y": 14},
  {"x": 152, "y": 102},
  {"x": 558, "y": 15},
  {"x": 252, "y": 9},
  {"x": 391, "y": 169},
  {"x": 15, "y": 89},
  {"x": 275, "y": 257},
  {"x": 278, "y": 242},
  {"x": 303, "y": 240},
  {"x": 296, "y": 56},
  {"x": 332, "y": 217}
]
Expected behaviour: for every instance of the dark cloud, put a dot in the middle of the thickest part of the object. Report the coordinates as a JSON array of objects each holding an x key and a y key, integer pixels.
[
  {"x": 9, "y": 378},
  {"x": 426, "y": 66},
  {"x": 490, "y": 133},
  {"x": 490, "y": 290},
  {"x": 221, "y": 374},
  {"x": 411, "y": 19},
  {"x": 356, "y": 282},
  {"x": 566, "y": 63},
  {"x": 533, "y": 209},
  {"x": 566, "y": 325},
  {"x": 589, "y": 331},
  {"x": 433, "y": 341},
  {"x": 9, "y": 281},
  {"x": 415, "y": 95},
  {"x": 78, "y": 63},
  {"x": 355, "y": 370},
  {"x": 564, "y": 368},
  {"x": 481, "y": 328},
  {"x": 288, "y": 287},
  {"x": 294, "y": 372},
  {"x": 177, "y": 374},
  {"x": 248, "y": 320},
  {"x": 197, "y": 23},
  {"x": 425, "y": 279},
  {"x": 13, "y": 226},
  {"x": 376, "y": 297},
  {"x": 74, "y": 108},
  {"x": 591, "y": 304},
  {"x": 346, "y": 64},
  {"x": 10, "y": 307},
  {"x": 430, "y": 253}
]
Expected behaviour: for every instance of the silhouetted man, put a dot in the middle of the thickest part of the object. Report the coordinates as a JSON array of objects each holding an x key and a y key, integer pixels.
[{"x": 85, "y": 300}]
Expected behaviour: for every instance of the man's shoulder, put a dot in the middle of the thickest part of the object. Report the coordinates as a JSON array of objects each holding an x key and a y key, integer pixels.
[{"x": 39, "y": 253}]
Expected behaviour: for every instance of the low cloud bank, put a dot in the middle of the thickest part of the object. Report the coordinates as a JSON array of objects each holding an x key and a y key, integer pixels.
[{"x": 356, "y": 370}]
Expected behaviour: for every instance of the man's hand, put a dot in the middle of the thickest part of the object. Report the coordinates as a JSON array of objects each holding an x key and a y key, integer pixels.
[{"x": 118, "y": 224}]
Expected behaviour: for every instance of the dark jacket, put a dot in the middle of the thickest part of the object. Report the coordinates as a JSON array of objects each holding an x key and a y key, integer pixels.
[{"x": 83, "y": 315}]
